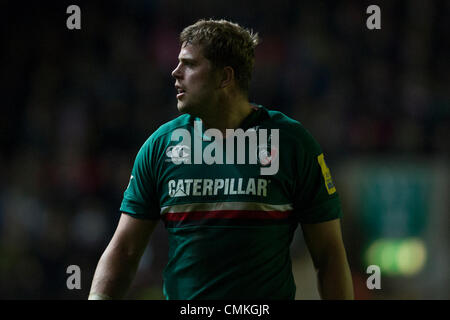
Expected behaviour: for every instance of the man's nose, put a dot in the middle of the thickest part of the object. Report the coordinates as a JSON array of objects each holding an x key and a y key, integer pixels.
[{"x": 176, "y": 72}]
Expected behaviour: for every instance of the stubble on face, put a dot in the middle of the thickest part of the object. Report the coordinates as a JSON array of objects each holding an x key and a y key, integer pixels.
[{"x": 195, "y": 81}]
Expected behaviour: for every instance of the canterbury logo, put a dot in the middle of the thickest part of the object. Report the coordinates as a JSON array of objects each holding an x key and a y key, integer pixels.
[{"x": 178, "y": 154}]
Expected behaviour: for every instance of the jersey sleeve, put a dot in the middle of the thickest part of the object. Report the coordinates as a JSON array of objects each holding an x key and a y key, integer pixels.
[
  {"x": 140, "y": 198},
  {"x": 316, "y": 199}
]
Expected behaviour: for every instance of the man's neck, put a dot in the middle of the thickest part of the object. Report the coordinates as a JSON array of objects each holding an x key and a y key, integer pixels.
[{"x": 228, "y": 116}]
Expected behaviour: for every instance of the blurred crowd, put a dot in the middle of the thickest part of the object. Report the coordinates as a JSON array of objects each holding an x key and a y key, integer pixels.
[{"x": 77, "y": 105}]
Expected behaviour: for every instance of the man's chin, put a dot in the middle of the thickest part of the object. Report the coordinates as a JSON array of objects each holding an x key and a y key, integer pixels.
[{"x": 183, "y": 108}]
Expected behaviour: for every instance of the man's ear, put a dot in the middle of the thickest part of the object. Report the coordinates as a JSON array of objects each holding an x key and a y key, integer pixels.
[{"x": 227, "y": 77}]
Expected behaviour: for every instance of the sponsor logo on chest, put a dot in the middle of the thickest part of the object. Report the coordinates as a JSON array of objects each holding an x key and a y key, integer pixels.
[{"x": 213, "y": 187}]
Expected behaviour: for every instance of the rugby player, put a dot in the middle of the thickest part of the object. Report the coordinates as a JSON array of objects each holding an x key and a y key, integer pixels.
[{"x": 229, "y": 227}]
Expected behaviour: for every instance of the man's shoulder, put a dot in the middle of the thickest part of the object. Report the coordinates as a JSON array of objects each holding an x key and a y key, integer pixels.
[{"x": 293, "y": 130}]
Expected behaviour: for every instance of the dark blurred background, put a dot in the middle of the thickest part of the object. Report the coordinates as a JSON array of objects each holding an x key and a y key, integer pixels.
[{"x": 76, "y": 105}]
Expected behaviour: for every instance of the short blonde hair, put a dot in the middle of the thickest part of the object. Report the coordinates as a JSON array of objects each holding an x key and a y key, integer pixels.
[{"x": 225, "y": 43}]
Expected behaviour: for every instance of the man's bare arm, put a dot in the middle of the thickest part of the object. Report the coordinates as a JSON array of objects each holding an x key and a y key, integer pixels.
[
  {"x": 118, "y": 264},
  {"x": 324, "y": 241}
]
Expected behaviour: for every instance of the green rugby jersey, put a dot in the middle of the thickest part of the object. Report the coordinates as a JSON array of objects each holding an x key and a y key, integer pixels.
[{"x": 230, "y": 227}]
